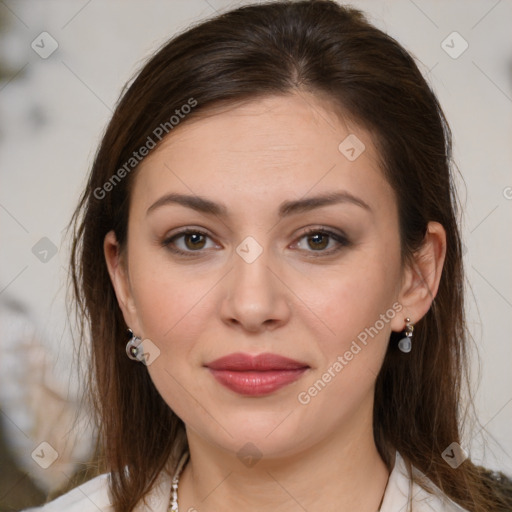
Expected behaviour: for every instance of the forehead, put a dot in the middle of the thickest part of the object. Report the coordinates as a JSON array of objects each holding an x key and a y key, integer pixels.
[{"x": 273, "y": 149}]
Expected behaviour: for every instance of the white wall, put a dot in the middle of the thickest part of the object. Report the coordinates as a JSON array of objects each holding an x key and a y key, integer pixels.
[{"x": 53, "y": 112}]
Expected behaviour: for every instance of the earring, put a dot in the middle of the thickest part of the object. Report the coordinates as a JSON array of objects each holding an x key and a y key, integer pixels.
[
  {"x": 405, "y": 344},
  {"x": 132, "y": 347}
]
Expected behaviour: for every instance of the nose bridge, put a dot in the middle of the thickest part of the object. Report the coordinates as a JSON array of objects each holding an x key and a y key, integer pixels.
[
  {"x": 255, "y": 296},
  {"x": 251, "y": 272}
]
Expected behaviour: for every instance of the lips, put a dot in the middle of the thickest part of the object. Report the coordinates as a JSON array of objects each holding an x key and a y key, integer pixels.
[
  {"x": 256, "y": 375},
  {"x": 261, "y": 362}
]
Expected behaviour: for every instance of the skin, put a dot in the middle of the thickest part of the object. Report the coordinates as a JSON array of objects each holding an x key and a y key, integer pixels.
[{"x": 293, "y": 300}]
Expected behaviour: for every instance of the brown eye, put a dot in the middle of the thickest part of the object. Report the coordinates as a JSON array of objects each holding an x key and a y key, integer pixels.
[
  {"x": 187, "y": 242},
  {"x": 194, "y": 241},
  {"x": 318, "y": 241},
  {"x": 322, "y": 241}
]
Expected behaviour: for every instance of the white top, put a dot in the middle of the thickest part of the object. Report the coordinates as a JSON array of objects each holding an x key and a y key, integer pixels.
[{"x": 92, "y": 496}]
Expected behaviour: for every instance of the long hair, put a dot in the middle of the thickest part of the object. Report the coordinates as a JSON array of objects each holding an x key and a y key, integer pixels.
[{"x": 248, "y": 53}]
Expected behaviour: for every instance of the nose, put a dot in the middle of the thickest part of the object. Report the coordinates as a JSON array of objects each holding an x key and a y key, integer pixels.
[{"x": 255, "y": 297}]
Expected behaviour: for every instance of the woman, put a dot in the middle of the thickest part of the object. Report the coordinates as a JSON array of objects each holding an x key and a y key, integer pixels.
[{"x": 271, "y": 218}]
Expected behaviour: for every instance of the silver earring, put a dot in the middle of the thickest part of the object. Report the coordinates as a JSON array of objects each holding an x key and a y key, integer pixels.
[
  {"x": 405, "y": 344},
  {"x": 133, "y": 347}
]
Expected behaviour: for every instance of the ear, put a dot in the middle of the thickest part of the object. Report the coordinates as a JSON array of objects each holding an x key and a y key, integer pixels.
[
  {"x": 421, "y": 277},
  {"x": 118, "y": 271}
]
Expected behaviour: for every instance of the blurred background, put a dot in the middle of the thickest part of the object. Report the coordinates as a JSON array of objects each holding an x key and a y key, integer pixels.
[{"x": 62, "y": 67}]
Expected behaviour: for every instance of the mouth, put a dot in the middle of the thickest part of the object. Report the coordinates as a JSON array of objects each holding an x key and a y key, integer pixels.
[{"x": 256, "y": 375}]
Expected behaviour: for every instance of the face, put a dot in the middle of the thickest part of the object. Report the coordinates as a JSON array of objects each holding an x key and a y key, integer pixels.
[{"x": 293, "y": 251}]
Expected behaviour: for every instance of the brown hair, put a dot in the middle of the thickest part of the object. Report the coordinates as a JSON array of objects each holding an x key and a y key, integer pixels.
[{"x": 274, "y": 49}]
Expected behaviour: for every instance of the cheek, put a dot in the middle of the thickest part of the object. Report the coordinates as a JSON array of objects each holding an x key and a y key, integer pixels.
[
  {"x": 359, "y": 313},
  {"x": 352, "y": 296},
  {"x": 171, "y": 307},
  {"x": 164, "y": 293},
  {"x": 355, "y": 301}
]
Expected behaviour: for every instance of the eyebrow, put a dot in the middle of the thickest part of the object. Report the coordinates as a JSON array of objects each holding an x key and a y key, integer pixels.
[{"x": 204, "y": 205}]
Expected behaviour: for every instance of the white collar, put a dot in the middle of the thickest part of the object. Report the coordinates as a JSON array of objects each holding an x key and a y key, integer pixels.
[
  {"x": 400, "y": 491},
  {"x": 398, "y": 488}
]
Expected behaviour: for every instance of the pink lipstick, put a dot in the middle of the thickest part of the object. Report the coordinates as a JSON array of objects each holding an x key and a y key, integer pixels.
[{"x": 256, "y": 375}]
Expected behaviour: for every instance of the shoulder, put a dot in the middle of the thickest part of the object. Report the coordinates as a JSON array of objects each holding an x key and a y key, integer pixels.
[
  {"x": 90, "y": 496},
  {"x": 94, "y": 496},
  {"x": 402, "y": 492},
  {"x": 424, "y": 501}
]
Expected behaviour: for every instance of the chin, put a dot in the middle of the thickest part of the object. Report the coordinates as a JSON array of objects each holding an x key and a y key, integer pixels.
[{"x": 272, "y": 433}]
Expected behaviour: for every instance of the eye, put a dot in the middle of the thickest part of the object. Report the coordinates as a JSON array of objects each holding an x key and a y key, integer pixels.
[
  {"x": 318, "y": 240},
  {"x": 187, "y": 241}
]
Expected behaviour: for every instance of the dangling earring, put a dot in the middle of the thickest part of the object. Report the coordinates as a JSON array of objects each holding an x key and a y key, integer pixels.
[
  {"x": 132, "y": 347},
  {"x": 405, "y": 344}
]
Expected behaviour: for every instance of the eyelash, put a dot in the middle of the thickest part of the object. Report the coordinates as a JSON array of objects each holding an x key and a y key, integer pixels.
[{"x": 337, "y": 237}]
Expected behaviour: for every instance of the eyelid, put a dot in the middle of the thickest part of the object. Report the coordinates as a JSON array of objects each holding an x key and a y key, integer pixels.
[{"x": 323, "y": 229}]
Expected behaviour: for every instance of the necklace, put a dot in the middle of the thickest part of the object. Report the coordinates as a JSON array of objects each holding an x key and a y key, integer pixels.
[{"x": 173, "y": 505}]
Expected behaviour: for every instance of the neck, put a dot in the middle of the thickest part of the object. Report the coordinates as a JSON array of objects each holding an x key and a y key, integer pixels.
[{"x": 345, "y": 470}]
